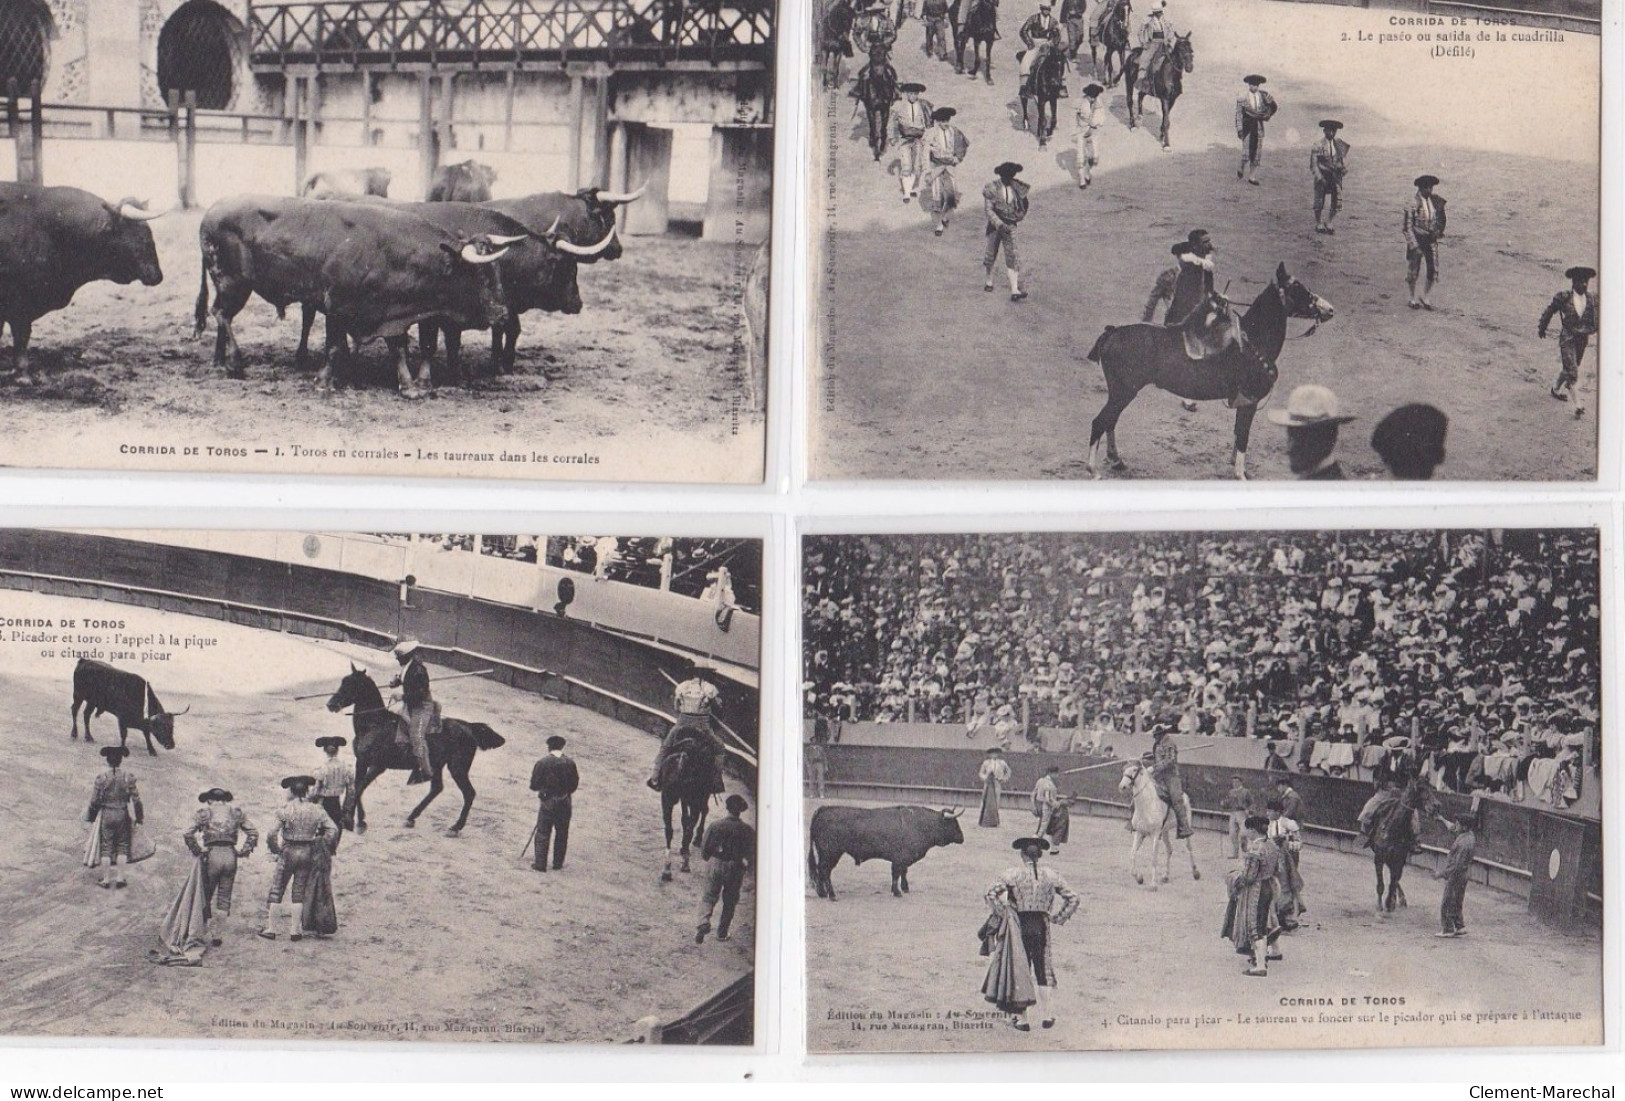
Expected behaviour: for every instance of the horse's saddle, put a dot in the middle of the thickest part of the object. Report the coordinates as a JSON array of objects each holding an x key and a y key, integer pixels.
[
  {"x": 403, "y": 723},
  {"x": 1210, "y": 330}
]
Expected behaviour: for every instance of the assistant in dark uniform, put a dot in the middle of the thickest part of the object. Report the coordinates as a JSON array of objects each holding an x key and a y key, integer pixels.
[
  {"x": 1005, "y": 203},
  {"x": 1253, "y": 110},
  {"x": 554, "y": 780},
  {"x": 729, "y": 850},
  {"x": 1311, "y": 421},
  {"x": 1576, "y": 310}
]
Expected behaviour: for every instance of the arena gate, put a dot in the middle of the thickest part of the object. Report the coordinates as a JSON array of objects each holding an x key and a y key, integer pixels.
[{"x": 194, "y": 101}]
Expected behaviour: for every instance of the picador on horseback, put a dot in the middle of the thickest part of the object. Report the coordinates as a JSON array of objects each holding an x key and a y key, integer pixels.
[
  {"x": 416, "y": 707},
  {"x": 873, "y": 27},
  {"x": 1195, "y": 309},
  {"x": 1165, "y": 771},
  {"x": 1039, "y": 27},
  {"x": 695, "y": 699}
]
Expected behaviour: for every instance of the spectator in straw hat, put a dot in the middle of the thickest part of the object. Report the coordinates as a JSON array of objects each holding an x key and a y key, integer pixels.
[{"x": 1311, "y": 420}]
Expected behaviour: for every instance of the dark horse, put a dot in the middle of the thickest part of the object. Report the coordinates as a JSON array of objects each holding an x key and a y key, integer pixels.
[
  {"x": 1043, "y": 84},
  {"x": 876, "y": 89},
  {"x": 1114, "y": 40},
  {"x": 377, "y": 751},
  {"x": 1133, "y": 357},
  {"x": 685, "y": 778},
  {"x": 1393, "y": 836},
  {"x": 979, "y": 30},
  {"x": 1165, "y": 82},
  {"x": 835, "y": 41}
]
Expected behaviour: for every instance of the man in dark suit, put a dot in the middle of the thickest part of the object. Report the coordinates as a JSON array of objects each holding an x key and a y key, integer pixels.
[
  {"x": 1311, "y": 421},
  {"x": 554, "y": 780},
  {"x": 729, "y": 849}
]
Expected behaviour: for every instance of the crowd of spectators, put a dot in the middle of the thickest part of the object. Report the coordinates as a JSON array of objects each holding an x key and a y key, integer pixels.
[{"x": 1475, "y": 654}]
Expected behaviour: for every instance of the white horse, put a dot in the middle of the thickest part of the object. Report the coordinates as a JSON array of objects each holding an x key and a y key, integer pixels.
[{"x": 1152, "y": 819}]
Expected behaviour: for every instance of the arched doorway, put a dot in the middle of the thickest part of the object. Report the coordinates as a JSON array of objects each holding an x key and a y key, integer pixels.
[
  {"x": 25, "y": 31},
  {"x": 198, "y": 52}
]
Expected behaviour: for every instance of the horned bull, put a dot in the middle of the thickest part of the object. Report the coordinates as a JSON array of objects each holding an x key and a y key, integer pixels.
[
  {"x": 901, "y": 836},
  {"x": 102, "y": 689},
  {"x": 54, "y": 240}
]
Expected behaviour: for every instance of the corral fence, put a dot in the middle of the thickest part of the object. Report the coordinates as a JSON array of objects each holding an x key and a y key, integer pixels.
[
  {"x": 624, "y": 677},
  {"x": 1552, "y": 859}
]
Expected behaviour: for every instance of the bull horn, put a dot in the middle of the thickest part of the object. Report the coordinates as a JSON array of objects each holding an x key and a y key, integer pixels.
[
  {"x": 128, "y": 209},
  {"x": 178, "y": 714},
  {"x": 623, "y": 197},
  {"x": 496, "y": 240},
  {"x": 955, "y": 813},
  {"x": 473, "y": 255},
  {"x": 552, "y": 230},
  {"x": 590, "y": 250}
]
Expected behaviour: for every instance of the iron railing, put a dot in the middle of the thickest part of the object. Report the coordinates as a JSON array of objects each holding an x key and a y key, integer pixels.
[{"x": 509, "y": 33}]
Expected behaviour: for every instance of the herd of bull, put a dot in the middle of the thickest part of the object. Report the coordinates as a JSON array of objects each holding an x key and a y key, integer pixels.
[{"x": 373, "y": 266}]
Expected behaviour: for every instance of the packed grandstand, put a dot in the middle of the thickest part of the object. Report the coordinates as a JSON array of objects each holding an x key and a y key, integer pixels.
[{"x": 1474, "y": 653}]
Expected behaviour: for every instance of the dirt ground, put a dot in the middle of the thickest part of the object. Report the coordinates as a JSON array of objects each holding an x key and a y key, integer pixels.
[
  {"x": 646, "y": 369},
  {"x": 1138, "y": 968},
  {"x": 440, "y": 939},
  {"x": 927, "y": 377}
]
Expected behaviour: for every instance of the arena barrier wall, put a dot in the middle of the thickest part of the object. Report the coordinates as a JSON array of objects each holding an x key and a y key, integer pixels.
[
  {"x": 635, "y": 610},
  {"x": 560, "y": 657},
  {"x": 1552, "y": 859}
]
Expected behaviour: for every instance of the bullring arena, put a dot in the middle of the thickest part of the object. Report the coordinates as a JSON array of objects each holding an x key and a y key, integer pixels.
[
  {"x": 440, "y": 938},
  {"x": 923, "y": 375}
]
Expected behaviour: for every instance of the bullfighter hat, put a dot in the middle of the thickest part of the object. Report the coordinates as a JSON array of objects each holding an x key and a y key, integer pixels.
[
  {"x": 736, "y": 804},
  {"x": 1308, "y": 405},
  {"x": 1009, "y": 170},
  {"x": 332, "y": 740},
  {"x": 1092, "y": 90},
  {"x": 405, "y": 647},
  {"x": 216, "y": 795},
  {"x": 290, "y": 782},
  {"x": 911, "y": 86},
  {"x": 1181, "y": 248},
  {"x": 555, "y": 742},
  {"x": 1330, "y": 124},
  {"x": 1254, "y": 79},
  {"x": 1583, "y": 274},
  {"x": 115, "y": 753},
  {"x": 943, "y": 114},
  {"x": 1426, "y": 181},
  {"x": 1023, "y": 842},
  {"x": 993, "y": 749}
]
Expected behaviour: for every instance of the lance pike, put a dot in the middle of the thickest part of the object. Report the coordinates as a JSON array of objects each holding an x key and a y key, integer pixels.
[{"x": 1541, "y": 1093}]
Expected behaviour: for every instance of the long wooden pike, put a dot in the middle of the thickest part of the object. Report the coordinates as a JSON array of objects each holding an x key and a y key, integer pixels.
[
  {"x": 1120, "y": 761},
  {"x": 437, "y": 680}
]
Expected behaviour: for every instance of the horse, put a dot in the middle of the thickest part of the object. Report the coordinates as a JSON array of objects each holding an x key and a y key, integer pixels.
[
  {"x": 1043, "y": 85},
  {"x": 377, "y": 751},
  {"x": 1114, "y": 39},
  {"x": 876, "y": 89},
  {"x": 1152, "y": 819},
  {"x": 1165, "y": 82},
  {"x": 980, "y": 29},
  {"x": 685, "y": 779},
  {"x": 1133, "y": 357},
  {"x": 1393, "y": 837},
  {"x": 835, "y": 41}
]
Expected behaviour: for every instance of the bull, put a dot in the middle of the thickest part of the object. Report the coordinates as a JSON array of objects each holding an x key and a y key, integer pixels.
[
  {"x": 101, "y": 689},
  {"x": 374, "y": 270},
  {"x": 469, "y": 182},
  {"x": 54, "y": 240},
  {"x": 344, "y": 182},
  {"x": 901, "y": 836}
]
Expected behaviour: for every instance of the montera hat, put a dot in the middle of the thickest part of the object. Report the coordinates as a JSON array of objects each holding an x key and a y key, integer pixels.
[
  {"x": 1198, "y": 236},
  {"x": 943, "y": 114},
  {"x": 1008, "y": 170},
  {"x": 1092, "y": 90},
  {"x": 555, "y": 742},
  {"x": 1308, "y": 405},
  {"x": 217, "y": 795},
  {"x": 332, "y": 740},
  {"x": 115, "y": 753},
  {"x": 1426, "y": 181},
  {"x": 1581, "y": 273},
  {"x": 1254, "y": 79},
  {"x": 736, "y": 804},
  {"x": 290, "y": 782},
  {"x": 1023, "y": 842},
  {"x": 1330, "y": 124},
  {"x": 406, "y": 647},
  {"x": 911, "y": 86},
  {"x": 993, "y": 749}
]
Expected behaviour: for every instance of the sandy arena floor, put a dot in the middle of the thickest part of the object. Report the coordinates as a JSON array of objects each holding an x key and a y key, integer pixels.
[
  {"x": 931, "y": 378},
  {"x": 1138, "y": 968},
  {"x": 437, "y": 934}
]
